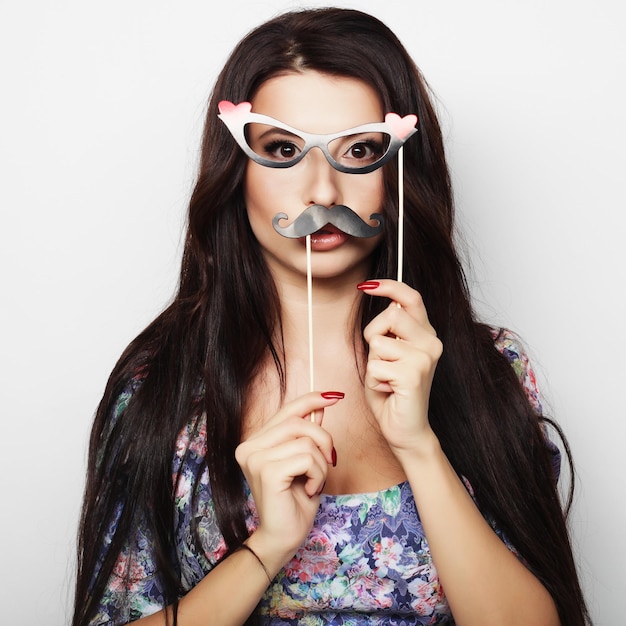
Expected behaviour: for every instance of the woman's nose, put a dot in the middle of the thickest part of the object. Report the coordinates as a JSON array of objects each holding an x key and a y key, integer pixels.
[{"x": 322, "y": 180}]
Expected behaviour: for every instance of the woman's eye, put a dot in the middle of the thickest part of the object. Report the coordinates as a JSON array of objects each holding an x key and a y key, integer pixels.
[
  {"x": 282, "y": 150},
  {"x": 369, "y": 151},
  {"x": 360, "y": 151}
]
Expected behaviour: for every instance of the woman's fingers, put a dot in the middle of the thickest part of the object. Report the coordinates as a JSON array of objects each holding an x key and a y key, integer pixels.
[
  {"x": 409, "y": 342},
  {"x": 403, "y": 346},
  {"x": 409, "y": 299},
  {"x": 293, "y": 421},
  {"x": 395, "y": 322},
  {"x": 304, "y": 406},
  {"x": 396, "y": 366},
  {"x": 295, "y": 458},
  {"x": 405, "y": 319}
]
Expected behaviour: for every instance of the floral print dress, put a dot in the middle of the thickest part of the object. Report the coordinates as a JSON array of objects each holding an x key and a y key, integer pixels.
[{"x": 365, "y": 561}]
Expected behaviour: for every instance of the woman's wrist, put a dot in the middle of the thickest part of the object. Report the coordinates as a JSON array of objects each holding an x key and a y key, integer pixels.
[
  {"x": 272, "y": 559},
  {"x": 424, "y": 448},
  {"x": 244, "y": 546}
]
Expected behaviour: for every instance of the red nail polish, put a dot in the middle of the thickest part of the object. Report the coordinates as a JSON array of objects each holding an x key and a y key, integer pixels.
[
  {"x": 368, "y": 284},
  {"x": 333, "y": 455},
  {"x": 333, "y": 395}
]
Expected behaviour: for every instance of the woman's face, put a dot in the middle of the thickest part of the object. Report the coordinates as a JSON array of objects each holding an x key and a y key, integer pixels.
[{"x": 315, "y": 103}]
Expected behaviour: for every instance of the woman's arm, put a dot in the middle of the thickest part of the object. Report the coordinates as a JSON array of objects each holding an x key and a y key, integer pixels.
[
  {"x": 484, "y": 582},
  {"x": 226, "y": 596}
]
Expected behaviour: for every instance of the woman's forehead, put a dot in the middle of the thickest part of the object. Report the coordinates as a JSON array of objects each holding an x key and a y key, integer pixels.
[{"x": 318, "y": 103}]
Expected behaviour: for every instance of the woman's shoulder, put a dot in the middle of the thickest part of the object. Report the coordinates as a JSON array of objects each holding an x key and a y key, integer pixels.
[
  {"x": 511, "y": 346},
  {"x": 507, "y": 342},
  {"x": 120, "y": 400},
  {"x": 128, "y": 392}
]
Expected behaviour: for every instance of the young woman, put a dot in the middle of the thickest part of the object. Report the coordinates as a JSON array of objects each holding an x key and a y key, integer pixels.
[{"x": 220, "y": 488}]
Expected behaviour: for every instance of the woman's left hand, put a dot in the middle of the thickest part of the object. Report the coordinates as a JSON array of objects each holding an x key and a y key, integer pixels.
[{"x": 403, "y": 354}]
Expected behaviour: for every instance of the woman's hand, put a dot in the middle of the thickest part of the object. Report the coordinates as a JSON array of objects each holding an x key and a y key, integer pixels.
[
  {"x": 286, "y": 464},
  {"x": 403, "y": 354}
]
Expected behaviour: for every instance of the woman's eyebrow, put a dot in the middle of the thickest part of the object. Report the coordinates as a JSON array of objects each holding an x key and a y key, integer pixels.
[{"x": 273, "y": 130}]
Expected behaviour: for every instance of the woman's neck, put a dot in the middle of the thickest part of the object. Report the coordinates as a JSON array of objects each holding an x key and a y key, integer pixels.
[
  {"x": 334, "y": 309},
  {"x": 334, "y": 313}
]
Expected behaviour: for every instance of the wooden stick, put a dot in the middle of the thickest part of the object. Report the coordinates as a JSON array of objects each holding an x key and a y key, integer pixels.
[
  {"x": 400, "y": 212},
  {"x": 400, "y": 215},
  {"x": 309, "y": 286}
]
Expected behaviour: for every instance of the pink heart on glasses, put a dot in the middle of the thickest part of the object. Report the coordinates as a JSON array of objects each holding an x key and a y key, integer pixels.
[
  {"x": 234, "y": 110},
  {"x": 401, "y": 126}
]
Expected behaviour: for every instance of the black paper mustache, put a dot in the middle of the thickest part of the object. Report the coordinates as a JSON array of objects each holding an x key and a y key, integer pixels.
[{"x": 317, "y": 216}]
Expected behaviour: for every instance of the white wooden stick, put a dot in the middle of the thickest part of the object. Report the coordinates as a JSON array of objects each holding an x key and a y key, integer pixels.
[
  {"x": 309, "y": 287},
  {"x": 400, "y": 212},
  {"x": 400, "y": 216}
]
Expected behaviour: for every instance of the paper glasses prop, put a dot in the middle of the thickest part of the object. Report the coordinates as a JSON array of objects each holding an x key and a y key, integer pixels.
[{"x": 358, "y": 150}]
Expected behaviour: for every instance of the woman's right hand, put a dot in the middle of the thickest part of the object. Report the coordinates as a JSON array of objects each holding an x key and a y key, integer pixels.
[{"x": 286, "y": 463}]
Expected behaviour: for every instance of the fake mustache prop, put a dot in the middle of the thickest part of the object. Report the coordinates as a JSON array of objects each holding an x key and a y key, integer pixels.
[{"x": 317, "y": 216}]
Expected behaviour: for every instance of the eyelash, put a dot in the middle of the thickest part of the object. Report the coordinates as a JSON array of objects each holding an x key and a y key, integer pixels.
[
  {"x": 376, "y": 147},
  {"x": 275, "y": 145}
]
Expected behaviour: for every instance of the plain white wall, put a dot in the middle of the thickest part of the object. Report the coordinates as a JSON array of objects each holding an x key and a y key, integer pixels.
[{"x": 101, "y": 115}]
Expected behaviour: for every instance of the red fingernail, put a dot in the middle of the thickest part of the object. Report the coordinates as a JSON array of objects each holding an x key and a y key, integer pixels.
[
  {"x": 368, "y": 284},
  {"x": 333, "y": 395},
  {"x": 333, "y": 456}
]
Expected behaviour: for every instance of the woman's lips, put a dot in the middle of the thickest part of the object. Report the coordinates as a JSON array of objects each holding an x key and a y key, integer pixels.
[{"x": 327, "y": 238}]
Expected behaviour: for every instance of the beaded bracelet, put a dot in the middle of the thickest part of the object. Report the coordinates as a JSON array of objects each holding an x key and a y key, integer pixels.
[{"x": 245, "y": 546}]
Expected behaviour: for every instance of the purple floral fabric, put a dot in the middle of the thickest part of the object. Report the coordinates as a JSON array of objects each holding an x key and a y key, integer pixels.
[{"x": 365, "y": 561}]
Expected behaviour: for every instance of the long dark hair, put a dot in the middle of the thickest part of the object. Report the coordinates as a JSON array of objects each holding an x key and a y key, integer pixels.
[{"x": 201, "y": 354}]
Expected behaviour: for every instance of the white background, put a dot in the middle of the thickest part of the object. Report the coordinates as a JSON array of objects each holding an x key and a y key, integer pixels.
[{"x": 101, "y": 114}]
